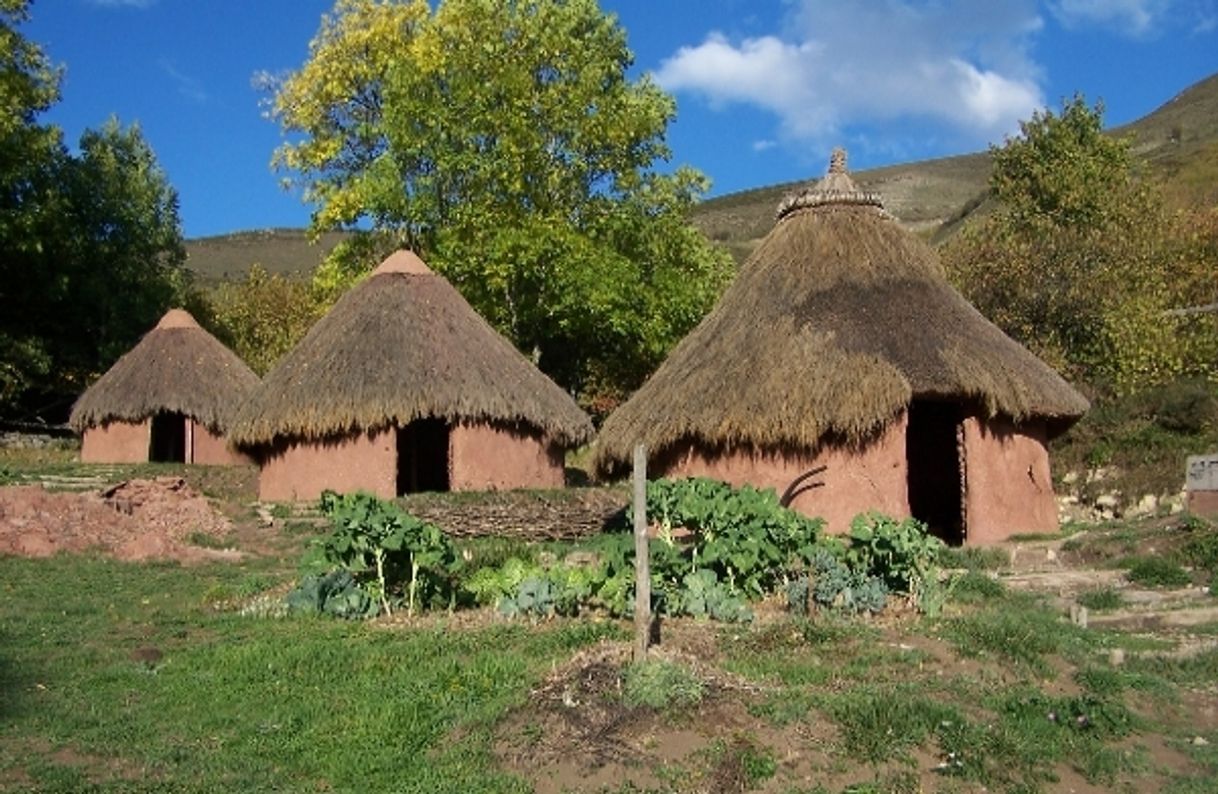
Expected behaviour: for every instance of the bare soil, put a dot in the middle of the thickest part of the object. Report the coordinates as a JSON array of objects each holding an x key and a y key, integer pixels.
[{"x": 134, "y": 520}]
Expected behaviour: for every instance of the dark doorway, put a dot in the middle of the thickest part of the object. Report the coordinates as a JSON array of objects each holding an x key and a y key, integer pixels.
[
  {"x": 423, "y": 456},
  {"x": 932, "y": 452},
  {"x": 167, "y": 442}
]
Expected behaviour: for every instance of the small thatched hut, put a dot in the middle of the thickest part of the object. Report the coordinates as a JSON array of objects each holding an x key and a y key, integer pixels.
[
  {"x": 169, "y": 399},
  {"x": 402, "y": 387},
  {"x": 840, "y": 344}
]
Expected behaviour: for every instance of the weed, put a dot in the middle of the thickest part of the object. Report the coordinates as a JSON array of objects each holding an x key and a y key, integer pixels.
[
  {"x": 1101, "y": 599},
  {"x": 1022, "y": 637},
  {"x": 661, "y": 685},
  {"x": 1157, "y": 572},
  {"x": 878, "y": 724},
  {"x": 207, "y": 541},
  {"x": 1201, "y": 550},
  {"x": 974, "y": 558},
  {"x": 973, "y": 587}
]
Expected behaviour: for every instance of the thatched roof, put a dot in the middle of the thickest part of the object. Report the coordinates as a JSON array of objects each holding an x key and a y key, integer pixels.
[
  {"x": 177, "y": 367},
  {"x": 404, "y": 345},
  {"x": 838, "y": 319}
]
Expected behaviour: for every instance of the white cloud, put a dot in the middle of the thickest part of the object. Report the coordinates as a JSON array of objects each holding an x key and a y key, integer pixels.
[
  {"x": 189, "y": 87},
  {"x": 838, "y": 65},
  {"x": 764, "y": 145},
  {"x": 1133, "y": 17}
]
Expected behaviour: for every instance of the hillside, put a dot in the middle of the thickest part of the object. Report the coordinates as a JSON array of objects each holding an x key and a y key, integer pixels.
[
  {"x": 228, "y": 257},
  {"x": 1178, "y": 142}
]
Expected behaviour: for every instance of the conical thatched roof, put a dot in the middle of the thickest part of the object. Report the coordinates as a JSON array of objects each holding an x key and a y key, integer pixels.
[
  {"x": 177, "y": 367},
  {"x": 837, "y": 320},
  {"x": 400, "y": 346}
]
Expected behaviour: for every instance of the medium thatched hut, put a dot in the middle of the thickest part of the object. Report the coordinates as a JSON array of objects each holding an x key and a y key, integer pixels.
[
  {"x": 169, "y": 399},
  {"x": 841, "y": 345},
  {"x": 402, "y": 387}
]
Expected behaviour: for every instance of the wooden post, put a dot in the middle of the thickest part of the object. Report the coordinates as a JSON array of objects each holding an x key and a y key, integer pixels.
[{"x": 642, "y": 557}]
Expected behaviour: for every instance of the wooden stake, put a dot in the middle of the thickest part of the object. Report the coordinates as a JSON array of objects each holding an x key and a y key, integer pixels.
[{"x": 642, "y": 558}]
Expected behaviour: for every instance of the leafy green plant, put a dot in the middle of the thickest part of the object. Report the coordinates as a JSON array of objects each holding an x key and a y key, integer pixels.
[
  {"x": 336, "y": 593},
  {"x": 744, "y": 535},
  {"x": 703, "y": 595},
  {"x": 903, "y": 553},
  {"x": 378, "y": 542}
]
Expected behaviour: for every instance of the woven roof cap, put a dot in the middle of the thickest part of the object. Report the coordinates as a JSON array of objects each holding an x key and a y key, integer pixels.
[{"x": 836, "y": 188}]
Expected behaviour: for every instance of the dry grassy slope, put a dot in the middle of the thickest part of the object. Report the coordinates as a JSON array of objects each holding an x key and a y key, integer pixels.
[
  {"x": 228, "y": 257},
  {"x": 1178, "y": 142}
]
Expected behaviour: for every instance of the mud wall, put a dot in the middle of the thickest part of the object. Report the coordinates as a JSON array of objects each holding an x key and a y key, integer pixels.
[
  {"x": 485, "y": 457},
  {"x": 116, "y": 442},
  {"x": 210, "y": 449},
  {"x": 1008, "y": 489},
  {"x": 297, "y": 472},
  {"x": 855, "y": 480}
]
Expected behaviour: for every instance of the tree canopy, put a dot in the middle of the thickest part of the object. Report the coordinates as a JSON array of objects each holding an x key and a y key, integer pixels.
[
  {"x": 1081, "y": 260},
  {"x": 92, "y": 242},
  {"x": 505, "y": 142}
]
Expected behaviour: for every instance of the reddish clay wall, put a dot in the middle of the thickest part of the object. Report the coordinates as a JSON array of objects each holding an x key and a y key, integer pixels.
[
  {"x": 856, "y": 481},
  {"x": 210, "y": 449},
  {"x": 486, "y": 457},
  {"x": 116, "y": 442},
  {"x": 360, "y": 462},
  {"x": 1008, "y": 489}
]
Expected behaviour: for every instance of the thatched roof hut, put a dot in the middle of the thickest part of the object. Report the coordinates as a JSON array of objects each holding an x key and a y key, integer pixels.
[
  {"x": 402, "y": 347},
  {"x": 837, "y": 323},
  {"x": 177, "y": 370}
]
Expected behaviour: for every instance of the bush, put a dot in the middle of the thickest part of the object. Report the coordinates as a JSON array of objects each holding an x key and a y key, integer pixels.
[
  {"x": 1158, "y": 572},
  {"x": 1101, "y": 599}
]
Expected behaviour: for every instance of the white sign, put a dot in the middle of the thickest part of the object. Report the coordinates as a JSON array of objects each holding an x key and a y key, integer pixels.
[{"x": 1202, "y": 474}]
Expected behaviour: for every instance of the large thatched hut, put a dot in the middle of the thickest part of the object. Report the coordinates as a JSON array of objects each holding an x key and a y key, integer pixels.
[
  {"x": 841, "y": 345},
  {"x": 402, "y": 387},
  {"x": 168, "y": 399}
]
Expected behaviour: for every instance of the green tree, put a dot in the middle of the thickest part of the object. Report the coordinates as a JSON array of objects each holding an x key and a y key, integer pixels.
[
  {"x": 505, "y": 142},
  {"x": 92, "y": 242},
  {"x": 264, "y": 315},
  {"x": 1080, "y": 260}
]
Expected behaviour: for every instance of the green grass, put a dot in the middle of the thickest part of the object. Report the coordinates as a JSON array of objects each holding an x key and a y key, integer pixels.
[
  {"x": 1157, "y": 572},
  {"x": 661, "y": 685},
  {"x": 244, "y": 704},
  {"x": 1101, "y": 599}
]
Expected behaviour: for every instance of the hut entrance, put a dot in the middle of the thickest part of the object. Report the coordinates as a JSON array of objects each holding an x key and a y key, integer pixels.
[
  {"x": 933, "y": 454},
  {"x": 167, "y": 439},
  {"x": 423, "y": 456}
]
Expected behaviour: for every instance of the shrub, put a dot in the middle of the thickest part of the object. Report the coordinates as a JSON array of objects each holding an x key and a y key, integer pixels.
[
  {"x": 1158, "y": 572},
  {"x": 1101, "y": 599}
]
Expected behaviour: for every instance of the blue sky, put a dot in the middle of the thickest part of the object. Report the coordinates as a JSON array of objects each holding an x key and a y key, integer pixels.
[{"x": 765, "y": 88}]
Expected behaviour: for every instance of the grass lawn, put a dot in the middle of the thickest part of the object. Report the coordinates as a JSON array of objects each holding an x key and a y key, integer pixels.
[
  {"x": 243, "y": 704},
  {"x": 125, "y": 677}
]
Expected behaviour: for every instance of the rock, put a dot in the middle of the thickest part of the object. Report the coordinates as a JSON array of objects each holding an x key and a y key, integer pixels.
[
  {"x": 1070, "y": 478},
  {"x": 1148, "y": 505},
  {"x": 1200, "y": 741}
]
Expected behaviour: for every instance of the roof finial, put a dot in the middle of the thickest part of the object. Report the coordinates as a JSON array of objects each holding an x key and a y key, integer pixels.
[
  {"x": 837, "y": 188},
  {"x": 837, "y": 161}
]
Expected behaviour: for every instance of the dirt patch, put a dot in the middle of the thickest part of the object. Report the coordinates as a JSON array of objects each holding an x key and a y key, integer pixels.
[{"x": 134, "y": 520}]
